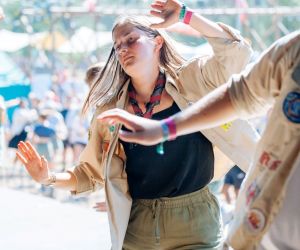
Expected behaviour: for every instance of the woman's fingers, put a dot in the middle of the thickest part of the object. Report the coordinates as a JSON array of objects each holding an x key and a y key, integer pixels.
[
  {"x": 119, "y": 116},
  {"x": 114, "y": 119},
  {"x": 162, "y": 3},
  {"x": 21, "y": 158},
  {"x": 44, "y": 162},
  {"x": 113, "y": 112},
  {"x": 32, "y": 150},
  {"x": 131, "y": 137},
  {"x": 157, "y": 6},
  {"x": 23, "y": 149},
  {"x": 100, "y": 206}
]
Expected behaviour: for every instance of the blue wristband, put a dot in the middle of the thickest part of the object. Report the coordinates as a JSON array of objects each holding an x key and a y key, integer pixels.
[{"x": 165, "y": 131}]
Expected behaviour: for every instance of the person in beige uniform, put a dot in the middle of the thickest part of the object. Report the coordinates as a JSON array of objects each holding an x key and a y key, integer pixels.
[
  {"x": 267, "y": 213},
  {"x": 157, "y": 197}
]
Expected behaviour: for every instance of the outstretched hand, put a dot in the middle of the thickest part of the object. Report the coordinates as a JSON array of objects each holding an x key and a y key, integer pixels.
[
  {"x": 36, "y": 165},
  {"x": 143, "y": 131},
  {"x": 167, "y": 10}
]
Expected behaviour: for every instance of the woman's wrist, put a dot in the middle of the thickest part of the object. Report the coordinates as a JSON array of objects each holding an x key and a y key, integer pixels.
[
  {"x": 168, "y": 127},
  {"x": 50, "y": 181}
]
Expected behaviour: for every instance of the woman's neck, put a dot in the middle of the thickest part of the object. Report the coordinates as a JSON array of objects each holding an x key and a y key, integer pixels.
[{"x": 144, "y": 85}]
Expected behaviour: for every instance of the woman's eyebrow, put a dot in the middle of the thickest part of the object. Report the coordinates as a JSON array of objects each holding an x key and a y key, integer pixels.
[{"x": 125, "y": 35}]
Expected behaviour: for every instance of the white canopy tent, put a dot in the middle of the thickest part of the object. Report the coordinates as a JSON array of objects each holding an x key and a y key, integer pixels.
[
  {"x": 12, "y": 41},
  {"x": 86, "y": 40},
  {"x": 189, "y": 52}
]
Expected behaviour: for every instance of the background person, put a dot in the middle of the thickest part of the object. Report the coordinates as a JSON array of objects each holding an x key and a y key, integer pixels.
[{"x": 233, "y": 179}]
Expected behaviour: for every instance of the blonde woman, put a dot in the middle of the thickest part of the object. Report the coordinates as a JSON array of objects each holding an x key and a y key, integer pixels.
[{"x": 157, "y": 197}]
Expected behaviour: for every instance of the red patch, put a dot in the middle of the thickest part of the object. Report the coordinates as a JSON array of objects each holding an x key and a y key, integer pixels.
[{"x": 269, "y": 161}]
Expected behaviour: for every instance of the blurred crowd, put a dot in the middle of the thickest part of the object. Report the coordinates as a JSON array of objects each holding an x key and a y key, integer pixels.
[{"x": 52, "y": 121}]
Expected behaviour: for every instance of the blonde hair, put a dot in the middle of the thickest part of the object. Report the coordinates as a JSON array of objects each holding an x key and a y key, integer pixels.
[{"x": 112, "y": 77}]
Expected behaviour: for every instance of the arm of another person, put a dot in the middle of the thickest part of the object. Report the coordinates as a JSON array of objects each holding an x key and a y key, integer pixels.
[{"x": 244, "y": 96}]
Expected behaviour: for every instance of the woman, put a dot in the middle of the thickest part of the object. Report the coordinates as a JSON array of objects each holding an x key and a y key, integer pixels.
[{"x": 164, "y": 203}]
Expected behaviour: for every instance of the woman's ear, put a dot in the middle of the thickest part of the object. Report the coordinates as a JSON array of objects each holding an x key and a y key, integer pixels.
[{"x": 159, "y": 41}]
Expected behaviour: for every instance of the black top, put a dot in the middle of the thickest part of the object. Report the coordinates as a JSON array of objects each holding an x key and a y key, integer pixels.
[{"x": 186, "y": 166}]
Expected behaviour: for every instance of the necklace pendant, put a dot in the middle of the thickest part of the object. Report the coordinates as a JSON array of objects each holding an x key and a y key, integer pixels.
[{"x": 160, "y": 148}]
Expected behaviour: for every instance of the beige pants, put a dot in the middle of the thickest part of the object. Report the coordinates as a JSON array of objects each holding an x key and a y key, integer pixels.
[{"x": 191, "y": 221}]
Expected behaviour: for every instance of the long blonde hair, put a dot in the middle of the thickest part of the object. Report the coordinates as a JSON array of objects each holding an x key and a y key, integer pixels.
[{"x": 113, "y": 77}]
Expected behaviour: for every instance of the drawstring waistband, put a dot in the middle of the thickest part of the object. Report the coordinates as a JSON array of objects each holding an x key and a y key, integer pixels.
[{"x": 184, "y": 200}]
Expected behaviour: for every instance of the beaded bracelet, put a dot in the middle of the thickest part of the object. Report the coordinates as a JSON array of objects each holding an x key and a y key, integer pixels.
[{"x": 52, "y": 180}]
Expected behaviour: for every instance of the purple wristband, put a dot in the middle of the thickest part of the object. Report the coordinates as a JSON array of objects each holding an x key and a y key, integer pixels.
[{"x": 172, "y": 128}]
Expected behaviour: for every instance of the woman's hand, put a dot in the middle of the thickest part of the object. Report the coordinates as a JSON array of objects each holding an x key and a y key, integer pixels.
[
  {"x": 100, "y": 206},
  {"x": 36, "y": 165},
  {"x": 144, "y": 131},
  {"x": 167, "y": 10}
]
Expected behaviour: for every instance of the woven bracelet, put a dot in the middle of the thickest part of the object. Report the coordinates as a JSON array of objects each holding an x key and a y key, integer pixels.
[
  {"x": 188, "y": 16},
  {"x": 182, "y": 12}
]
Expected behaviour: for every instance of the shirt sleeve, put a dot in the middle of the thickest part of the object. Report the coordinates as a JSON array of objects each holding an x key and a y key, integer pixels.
[
  {"x": 253, "y": 91},
  {"x": 89, "y": 172},
  {"x": 228, "y": 56}
]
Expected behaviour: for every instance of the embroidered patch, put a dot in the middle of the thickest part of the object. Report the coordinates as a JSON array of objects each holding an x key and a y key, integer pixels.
[
  {"x": 255, "y": 221},
  {"x": 269, "y": 160},
  {"x": 296, "y": 74},
  {"x": 252, "y": 192},
  {"x": 291, "y": 107},
  {"x": 226, "y": 126}
]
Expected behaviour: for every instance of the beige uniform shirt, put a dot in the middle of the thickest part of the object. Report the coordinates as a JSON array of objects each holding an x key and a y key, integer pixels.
[
  {"x": 102, "y": 163},
  {"x": 274, "y": 79}
]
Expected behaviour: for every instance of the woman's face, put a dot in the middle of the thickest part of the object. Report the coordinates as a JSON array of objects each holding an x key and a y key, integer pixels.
[{"x": 134, "y": 49}]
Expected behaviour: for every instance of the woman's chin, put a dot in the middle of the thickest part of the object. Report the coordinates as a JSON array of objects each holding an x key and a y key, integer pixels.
[{"x": 130, "y": 68}]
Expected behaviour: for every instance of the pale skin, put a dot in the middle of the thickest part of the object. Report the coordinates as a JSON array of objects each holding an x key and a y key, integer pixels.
[{"x": 134, "y": 50}]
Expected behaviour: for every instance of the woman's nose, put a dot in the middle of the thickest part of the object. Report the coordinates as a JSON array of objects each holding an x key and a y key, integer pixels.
[{"x": 123, "y": 48}]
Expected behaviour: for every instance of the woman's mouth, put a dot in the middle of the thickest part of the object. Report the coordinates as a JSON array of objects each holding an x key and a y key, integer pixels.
[{"x": 127, "y": 59}]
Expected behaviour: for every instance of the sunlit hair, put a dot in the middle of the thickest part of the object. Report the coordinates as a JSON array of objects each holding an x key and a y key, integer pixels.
[{"x": 113, "y": 77}]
